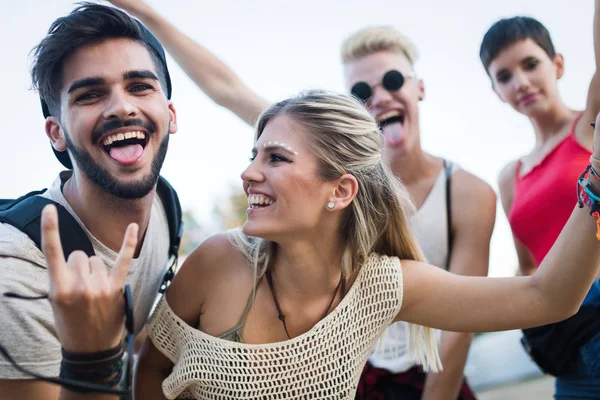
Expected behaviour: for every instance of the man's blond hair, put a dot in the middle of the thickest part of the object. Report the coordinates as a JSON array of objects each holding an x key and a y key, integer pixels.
[{"x": 378, "y": 38}]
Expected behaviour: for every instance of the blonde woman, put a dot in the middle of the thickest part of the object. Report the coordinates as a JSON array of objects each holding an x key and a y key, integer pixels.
[{"x": 454, "y": 209}]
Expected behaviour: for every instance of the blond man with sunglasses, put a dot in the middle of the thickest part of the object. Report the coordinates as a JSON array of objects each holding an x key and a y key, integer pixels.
[{"x": 455, "y": 209}]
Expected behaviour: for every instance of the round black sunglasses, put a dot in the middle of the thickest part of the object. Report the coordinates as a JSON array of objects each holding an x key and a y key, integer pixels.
[{"x": 391, "y": 81}]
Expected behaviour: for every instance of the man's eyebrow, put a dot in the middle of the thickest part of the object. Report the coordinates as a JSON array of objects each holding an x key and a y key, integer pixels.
[
  {"x": 528, "y": 58},
  {"x": 96, "y": 80},
  {"x": 139, "y": 74},
  {"x": 85, "y": 82}
]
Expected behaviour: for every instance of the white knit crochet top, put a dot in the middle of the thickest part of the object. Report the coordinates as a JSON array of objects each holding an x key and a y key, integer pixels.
[{"x": 323, "y": 363}]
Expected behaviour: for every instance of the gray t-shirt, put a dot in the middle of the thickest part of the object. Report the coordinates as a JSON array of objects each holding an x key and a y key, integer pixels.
[{"x": 27, "y": 326}]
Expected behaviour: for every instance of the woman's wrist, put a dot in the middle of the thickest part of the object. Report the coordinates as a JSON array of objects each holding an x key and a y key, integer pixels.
[{"x": 595, "y": 172}]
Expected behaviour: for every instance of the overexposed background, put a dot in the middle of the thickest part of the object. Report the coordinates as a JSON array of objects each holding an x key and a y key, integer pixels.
[{"x": 281, "y": 47}]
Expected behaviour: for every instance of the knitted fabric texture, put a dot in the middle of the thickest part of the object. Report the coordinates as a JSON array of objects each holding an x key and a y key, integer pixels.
[{"x": 323, "y": 363}]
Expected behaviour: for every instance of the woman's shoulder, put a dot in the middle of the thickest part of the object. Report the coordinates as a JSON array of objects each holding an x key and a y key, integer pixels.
[
  {"x": 216, "y": 260},
  {"x": 217, "y": 255},
  {"x": 214, "y": 272},
  {"x": 508, "y": 172},
  {"x": 506, "y": 182}
]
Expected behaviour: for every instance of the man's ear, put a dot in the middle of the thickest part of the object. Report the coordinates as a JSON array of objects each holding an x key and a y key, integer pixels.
[
  {"x": 345, "y": 191},
  {"x": 55, "y": 134},
  {"x": 421, "y": 90},
  {"x": 172, "y": 118}
]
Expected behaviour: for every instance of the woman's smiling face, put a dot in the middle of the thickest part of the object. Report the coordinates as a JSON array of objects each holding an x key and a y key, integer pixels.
[{"x": 286, "y": 195}]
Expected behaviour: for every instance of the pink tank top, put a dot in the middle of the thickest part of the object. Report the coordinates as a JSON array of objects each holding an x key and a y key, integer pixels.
[{"x": 545, "y": 197}]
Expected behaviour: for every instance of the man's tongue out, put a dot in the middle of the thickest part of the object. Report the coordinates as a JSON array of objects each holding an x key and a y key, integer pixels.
[
  {"x": 128, "y": 154},
  {"x": 393, "y": 133}
]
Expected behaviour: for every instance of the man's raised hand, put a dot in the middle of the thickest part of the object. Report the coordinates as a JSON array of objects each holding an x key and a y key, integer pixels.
[{"x": 87, "y": 299}]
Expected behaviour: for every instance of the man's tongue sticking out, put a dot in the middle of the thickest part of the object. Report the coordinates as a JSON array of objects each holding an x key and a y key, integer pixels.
[
  {"x": 128, "y": 154},
  {"x": 393, "y": 133}
]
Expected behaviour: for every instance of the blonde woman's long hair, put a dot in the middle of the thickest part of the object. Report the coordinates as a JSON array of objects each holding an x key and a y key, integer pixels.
[{"x": 346, "y": 139}]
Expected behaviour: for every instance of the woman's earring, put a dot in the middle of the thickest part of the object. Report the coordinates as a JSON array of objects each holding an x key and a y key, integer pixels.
[{"x": 330, "y": 205}]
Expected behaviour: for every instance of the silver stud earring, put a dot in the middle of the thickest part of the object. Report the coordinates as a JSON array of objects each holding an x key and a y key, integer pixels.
[{"x": 330, "y": 205}]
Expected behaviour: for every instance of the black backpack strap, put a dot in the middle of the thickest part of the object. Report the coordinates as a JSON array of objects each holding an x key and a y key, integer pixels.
[
  {"x": 5, "y": 204},
  {"x": 448, "y": 172},
  {"x": 170, "y": 201},
  {"x": 25, "y": 213}
]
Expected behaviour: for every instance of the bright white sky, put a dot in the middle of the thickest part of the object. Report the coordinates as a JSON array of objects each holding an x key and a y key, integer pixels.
[{"x": 281, "y": 47}]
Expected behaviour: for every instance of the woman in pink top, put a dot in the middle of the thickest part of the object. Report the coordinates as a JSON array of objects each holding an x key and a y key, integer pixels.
[{"x": 537, "y": 190}]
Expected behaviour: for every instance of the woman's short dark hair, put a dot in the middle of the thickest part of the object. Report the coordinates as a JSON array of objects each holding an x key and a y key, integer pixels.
[
  {"x": 88, "y": 23},
  {"x": 508, "y": 31}
]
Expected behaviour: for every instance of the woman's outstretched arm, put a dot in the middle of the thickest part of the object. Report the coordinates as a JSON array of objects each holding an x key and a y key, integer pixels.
[{"x": 438, "y": 299}]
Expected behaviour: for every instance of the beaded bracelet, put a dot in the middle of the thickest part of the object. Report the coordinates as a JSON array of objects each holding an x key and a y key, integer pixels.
[
  {"x": 594, "y": 174},
  {"x": 586, "y": 196}
]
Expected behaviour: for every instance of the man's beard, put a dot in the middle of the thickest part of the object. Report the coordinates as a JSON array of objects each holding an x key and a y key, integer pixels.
[{"x": 111, "y": 185}]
